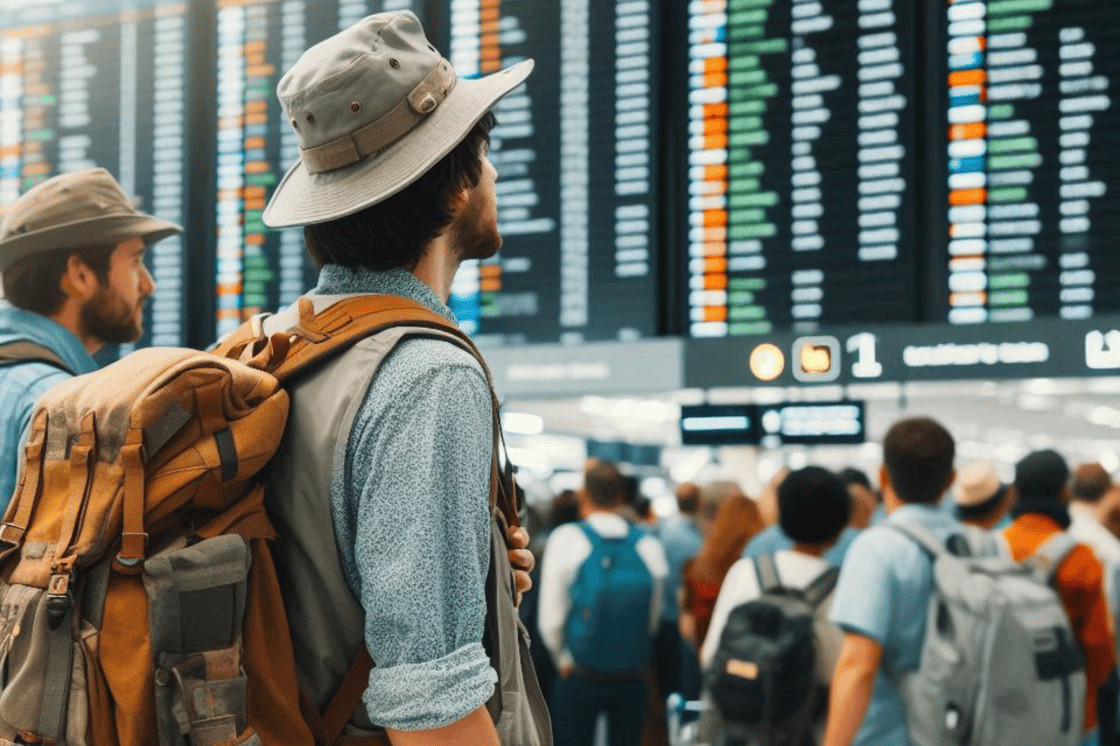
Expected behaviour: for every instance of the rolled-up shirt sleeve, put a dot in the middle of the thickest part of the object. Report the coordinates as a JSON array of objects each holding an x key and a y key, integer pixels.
[{"x": 421, "y": 464}]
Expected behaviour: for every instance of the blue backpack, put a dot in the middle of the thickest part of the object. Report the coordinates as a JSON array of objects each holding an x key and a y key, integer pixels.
[{"x": 608, "y": 626}]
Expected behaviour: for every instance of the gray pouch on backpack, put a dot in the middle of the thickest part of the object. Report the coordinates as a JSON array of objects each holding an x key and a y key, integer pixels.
[{"x": 196, "y": 603}]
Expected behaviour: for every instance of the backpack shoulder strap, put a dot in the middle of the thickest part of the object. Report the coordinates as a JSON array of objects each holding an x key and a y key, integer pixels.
[
  {"x": 1045, "y": 561},
  {"x": 919, "y": 533},
  {"x": 767, "y": 571},
  {"x": 25, "y": 351},
  {"x": 822, "y": 587},
  {"x": 591, "y": 534},
  {"x": 318, "y": 327}
]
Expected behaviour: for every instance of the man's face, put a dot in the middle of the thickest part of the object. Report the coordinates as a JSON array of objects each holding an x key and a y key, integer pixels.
[
  {"x": 475, "y": 230},
  {"x": 115, "y": 314}
]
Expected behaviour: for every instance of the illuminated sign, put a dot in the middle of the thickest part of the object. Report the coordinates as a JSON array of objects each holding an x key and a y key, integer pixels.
[{"x": 705, "y": 424}]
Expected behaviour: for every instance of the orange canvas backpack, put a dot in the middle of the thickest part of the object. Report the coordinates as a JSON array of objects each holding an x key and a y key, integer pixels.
[{"x": 138, "y": 599}]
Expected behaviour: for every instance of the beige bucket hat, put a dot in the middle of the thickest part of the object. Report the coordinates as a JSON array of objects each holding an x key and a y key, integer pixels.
[
  {"x": 374, "y": 107},
  {"x": 73, "y": 211}
]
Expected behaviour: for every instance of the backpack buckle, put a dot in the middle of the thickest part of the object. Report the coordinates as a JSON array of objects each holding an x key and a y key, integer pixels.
[{"x": 60, "y": 597}]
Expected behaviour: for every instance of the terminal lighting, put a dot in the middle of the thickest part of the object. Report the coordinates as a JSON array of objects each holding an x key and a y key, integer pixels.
[
  {"x": 767, "y": 362},
  {"x": 817, "y": 359}
]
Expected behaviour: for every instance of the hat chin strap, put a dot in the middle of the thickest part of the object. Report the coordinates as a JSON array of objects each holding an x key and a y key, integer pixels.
[{"x": 376, "y": 136}]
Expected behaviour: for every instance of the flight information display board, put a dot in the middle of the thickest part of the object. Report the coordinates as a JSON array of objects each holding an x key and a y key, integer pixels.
[
  {"x": 85, "y": 84},
  {"x": 1033, "y": 159},
  {"x": 576, "y": 152},
  {"x": 258, "y": 40},
  {"x": 801, "y": 164}
]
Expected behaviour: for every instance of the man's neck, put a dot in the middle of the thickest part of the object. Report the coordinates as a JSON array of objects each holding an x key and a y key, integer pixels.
[
  {"x": 69, "y": 317},
  {"x": 437, "y": 266}
]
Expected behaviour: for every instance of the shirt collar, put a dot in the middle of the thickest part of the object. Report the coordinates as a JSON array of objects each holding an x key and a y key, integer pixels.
[
  {"x": 18, "y": 324},
  {"x": 334, "y": 279}
]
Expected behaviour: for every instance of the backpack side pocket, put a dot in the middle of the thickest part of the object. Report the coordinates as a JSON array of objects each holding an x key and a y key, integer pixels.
[{"x": 196, "y": 601}]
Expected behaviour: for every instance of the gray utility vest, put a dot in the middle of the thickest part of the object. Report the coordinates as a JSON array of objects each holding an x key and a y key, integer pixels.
[{"x": 327, "y": 621}]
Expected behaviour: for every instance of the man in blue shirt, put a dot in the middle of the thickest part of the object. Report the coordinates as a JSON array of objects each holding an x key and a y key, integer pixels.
[
  {"x": 884, "y": 587},
  {"x": 72, "y": 258}
]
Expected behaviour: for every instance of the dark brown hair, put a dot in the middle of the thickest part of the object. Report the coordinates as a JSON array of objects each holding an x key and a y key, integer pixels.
[
  {"x": 605, "y": 484},
  {"x": 918, "y": 454},
  {"x": 34, "y": 282},
  {"x": 394, "y": 232}
]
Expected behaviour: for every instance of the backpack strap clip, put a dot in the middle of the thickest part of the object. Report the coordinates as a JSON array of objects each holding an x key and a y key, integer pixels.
[{"x": 60, "y": 597}]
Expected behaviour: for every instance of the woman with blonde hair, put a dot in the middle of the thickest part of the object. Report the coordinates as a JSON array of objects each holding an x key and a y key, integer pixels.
[{"x": 732, "y": 519}]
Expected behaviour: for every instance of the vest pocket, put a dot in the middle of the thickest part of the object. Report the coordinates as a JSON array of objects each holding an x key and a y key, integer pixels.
[{"x": 196, "y": 603}]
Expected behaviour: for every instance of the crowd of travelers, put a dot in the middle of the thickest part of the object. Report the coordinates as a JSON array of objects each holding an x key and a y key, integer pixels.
[{"x": 943, "y": 606}]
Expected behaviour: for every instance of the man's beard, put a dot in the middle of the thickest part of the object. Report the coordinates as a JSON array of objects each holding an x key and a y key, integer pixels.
[
  {"x": 474, "y": 234},
  {"x": 109, "y": 319}
]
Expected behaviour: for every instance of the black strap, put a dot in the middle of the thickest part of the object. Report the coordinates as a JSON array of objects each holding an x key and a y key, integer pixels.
[
  {"x": 767, "y": 570},
  {"x": 24, "y": 351},
  {"x": 821, "y": 588}
]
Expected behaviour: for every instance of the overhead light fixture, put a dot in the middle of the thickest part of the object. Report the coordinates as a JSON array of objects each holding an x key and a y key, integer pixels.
[{"x": 767, "y": 362}]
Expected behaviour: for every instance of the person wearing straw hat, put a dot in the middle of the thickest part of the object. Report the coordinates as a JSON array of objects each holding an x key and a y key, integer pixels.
[
  {"x": 979, "y": 497},
  {"x": 72, "y": 259},
  {"x": 394, "y": 190}
]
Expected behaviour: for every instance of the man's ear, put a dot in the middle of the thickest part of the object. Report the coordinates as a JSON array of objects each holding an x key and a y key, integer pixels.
[
  {"x": 459, "y": 199},
  {"x": 78, "y": 280}
]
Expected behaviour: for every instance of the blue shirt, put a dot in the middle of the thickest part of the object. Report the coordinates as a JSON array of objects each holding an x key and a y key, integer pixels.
[
  {"x": 21, "y": 384},
  {"x": 773, "y": 540},
  {"x": 883, "y": 592},
  {"x": 410, "y": 504},
  {"x": 682, "y": 541}
]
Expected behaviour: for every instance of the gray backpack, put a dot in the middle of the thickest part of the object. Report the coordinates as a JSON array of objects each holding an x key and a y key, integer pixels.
[{"x": 999, "y": 662}]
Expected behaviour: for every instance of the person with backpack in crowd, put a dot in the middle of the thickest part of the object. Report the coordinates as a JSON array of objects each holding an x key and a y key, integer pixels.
[
  {"x": 394, "y": 191},
  {"x": 797, "y": 653},
  {"x": 72, "y": 259},
  {"x": 1042, "y": 516},
  {"x": 600, "y": 599},
  {"x": 885, "y": 584}
]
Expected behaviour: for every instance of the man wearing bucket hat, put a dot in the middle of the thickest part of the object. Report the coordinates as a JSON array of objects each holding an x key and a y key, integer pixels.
[
  {"x": 71, "y": 256},
  {"x": 394, "y": 190}
]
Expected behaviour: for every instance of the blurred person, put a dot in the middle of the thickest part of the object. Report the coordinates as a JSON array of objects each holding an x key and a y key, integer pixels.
[
  {"x": 814, "y": 507},
  {"x": 563, "y": 508},
  {"x": 72, "y": 257},
  {"x": 1040, "y": 512},
  {"x": 884, "y": 588},
  {"x": 675, "y": 662},
  {"x": 773, "y": 538},
  {"x": 737, "y": 519},
  {"x": 601, "y": 586},
  {"x": 979, "y": 497},
  {"x": 865, "y": 501}
]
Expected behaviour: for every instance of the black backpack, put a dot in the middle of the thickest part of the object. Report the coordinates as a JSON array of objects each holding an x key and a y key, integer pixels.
[{"x": 763, "y": 676}]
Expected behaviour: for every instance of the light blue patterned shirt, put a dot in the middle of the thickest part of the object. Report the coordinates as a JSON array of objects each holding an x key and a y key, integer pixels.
[
  {"x": 21, "y": 384},
  {"x": 411, "y": 510}
]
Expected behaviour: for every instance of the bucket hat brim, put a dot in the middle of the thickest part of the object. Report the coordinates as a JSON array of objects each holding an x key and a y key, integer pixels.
[
  {"x": 303, "y": 198},
  {"x": 99, "y": 230}
]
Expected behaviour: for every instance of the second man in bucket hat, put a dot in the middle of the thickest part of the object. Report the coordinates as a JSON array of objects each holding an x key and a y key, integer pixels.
[
  {"x": 72, "y": 259},
  {"x": 394, "y": 190}
]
